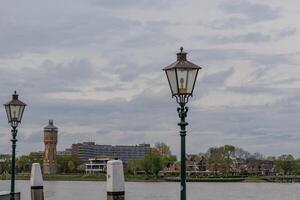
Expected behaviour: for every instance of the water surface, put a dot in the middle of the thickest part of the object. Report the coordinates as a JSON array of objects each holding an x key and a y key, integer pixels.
[{"x": 93, "y": 190}]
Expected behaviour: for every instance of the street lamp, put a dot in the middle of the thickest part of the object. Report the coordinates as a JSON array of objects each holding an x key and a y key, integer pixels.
[
  {"x": 14, "y": 111},
  {"x": 182, "y": 76}
]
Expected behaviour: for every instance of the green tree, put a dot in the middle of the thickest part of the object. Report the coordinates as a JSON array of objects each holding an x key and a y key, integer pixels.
[
  {"x": 168, "y": 159},
  {"x": 81, "y": 168},
  {"x": 286, "y": 164},
  {"x": 146, "y": 163},
  {"x": 71, "y": 165},
  {"x": 24, "y": 163},
  {"x": 216, "y": 159},
  {"x": 165, "y": 154},
  {"x": 228, "y": 151},
  {"x": 155, "y": 159},
  {"x": 163, "y": 149},
  {"x": 152, "y": 163},
  {"x": 1, "y": 167},
  {"x": 157, "y": 163},
  {"x": 37, "y": 157},
  {"x": 220, "y": 158},
  {"x": 5, "y": 163},
  {"x": 134, "y": 165},
  {"x": 63, "y": 163}
]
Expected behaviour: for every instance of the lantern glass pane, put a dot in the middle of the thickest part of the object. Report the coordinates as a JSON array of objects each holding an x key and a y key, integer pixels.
[
  {"x": 182, "y": 81},
  {"x": 191, "y": 80},
  {"x": 8, "y": 112},
  {"x": 172, "y": 80},
  {"x": 15, "y": 112},
  {"x": 21, "y": 112}
]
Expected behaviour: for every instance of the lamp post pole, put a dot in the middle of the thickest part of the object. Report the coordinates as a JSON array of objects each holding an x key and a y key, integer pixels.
[
  {"x": 182, "y": 75},
  {"x": 14, "y": 132},
  {"x": 14, "y": 111},
  {"x": 182, "y": 112}
]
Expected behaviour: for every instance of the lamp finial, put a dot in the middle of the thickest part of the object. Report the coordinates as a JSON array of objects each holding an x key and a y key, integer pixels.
[{"x": 15, "y": 95}]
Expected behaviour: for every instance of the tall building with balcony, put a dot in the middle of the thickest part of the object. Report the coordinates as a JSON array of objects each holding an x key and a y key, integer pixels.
[{"x": 50, "y": 141}]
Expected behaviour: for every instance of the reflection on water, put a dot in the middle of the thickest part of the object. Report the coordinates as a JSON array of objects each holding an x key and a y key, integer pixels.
[{"x": 89, "y": 190}]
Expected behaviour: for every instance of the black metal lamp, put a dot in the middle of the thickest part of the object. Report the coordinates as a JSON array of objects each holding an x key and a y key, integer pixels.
[
  {"x": 14, "y": 111},
  {"x": 182, "y": 76}
]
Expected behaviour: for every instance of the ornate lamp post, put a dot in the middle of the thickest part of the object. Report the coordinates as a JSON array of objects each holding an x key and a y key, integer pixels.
[
  {"x": 14, "y": 110},
  {"x": 182, "y": 76}
]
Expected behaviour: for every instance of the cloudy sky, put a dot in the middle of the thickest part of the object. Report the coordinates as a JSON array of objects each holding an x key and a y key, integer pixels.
[{"x": 94, "y": 67}]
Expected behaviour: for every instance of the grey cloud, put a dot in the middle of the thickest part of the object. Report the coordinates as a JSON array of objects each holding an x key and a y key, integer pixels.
[
  {"x": 161, "y": 4},
  {"x": 153, "y": 36},
  {"x": 151, "y": 112},
  {"x": 144, "y": 113},
  {"x": 254, "y": 90},
  {"x": 253, "y": 11},
  {"x": 113, "y": 29},
  {"x": 248, "y": 13},
  {"x": 284, "y": 33},
  {"x": 213, "y": 81},
  {"x": 214, "y": 54},
  {"x": 263, "y": 124},
  {"x": 253, "y": 37},
  {"x": 154, "y": 33},
  {"x": 150, "y": 39},
  {"x": 116, "y": 87},
  {"x": 49, "y": 76},
  {"x": 288, "y": 81},
  {"x": 231, "y": 23},
  {"x": 36, "y": 137},
  {"x": 128, "y": 71},
  {"x": 217, "y": 78},
  {"x": 39, "y": 33}
]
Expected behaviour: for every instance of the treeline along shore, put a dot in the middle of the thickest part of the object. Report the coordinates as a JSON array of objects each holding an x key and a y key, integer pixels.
[
  {"x": 226, "y": 163},
  {"x": 144, "y": 178}
]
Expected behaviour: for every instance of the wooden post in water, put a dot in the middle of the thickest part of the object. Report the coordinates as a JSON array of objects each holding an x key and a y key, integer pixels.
[
  {"x": 115, "y": 185},
  {"x": 36, "y": 182}
]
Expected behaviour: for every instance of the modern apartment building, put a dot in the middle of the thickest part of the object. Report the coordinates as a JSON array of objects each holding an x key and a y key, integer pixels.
[{"x": 87, "y": 150}]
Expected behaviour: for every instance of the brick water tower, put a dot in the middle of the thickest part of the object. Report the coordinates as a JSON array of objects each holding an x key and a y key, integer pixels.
[{"x": 50, "y": 140}]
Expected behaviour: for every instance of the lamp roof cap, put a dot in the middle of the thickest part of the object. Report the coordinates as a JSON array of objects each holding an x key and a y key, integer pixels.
[
  {"x": 15, "y": 101},
  {"x": 182, "y": 62}
]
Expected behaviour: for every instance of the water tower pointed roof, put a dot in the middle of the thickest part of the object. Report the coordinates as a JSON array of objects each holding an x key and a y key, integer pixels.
[{"x": 50, "y": 127}]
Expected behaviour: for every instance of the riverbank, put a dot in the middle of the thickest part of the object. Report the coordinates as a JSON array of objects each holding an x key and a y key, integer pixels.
[
  {"x": 223, "y": 179},
  {"x": 144, "y": 178}
]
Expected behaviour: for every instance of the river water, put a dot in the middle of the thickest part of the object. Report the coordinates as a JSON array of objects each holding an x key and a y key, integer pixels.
[{"x": 92, "y": 190}]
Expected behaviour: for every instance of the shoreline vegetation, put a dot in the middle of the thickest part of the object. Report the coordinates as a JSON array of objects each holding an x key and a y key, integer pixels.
[
  {"x": 219, "y": 164},
  {"x": 144, "y": 178}
]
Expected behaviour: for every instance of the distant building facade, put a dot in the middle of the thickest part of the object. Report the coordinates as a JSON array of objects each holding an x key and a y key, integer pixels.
[
  {"x": 261, "y": 167},
  {"x": 50, "y": 140},
  {"x": 67, "y": 152},
  {"x": 196, "y": 163},
  {"x": 96, "y": 165},
  {"x": 86, "y": 150}
]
